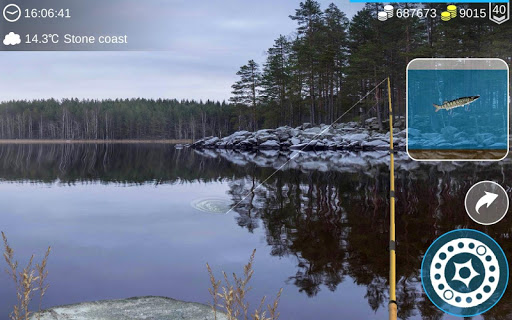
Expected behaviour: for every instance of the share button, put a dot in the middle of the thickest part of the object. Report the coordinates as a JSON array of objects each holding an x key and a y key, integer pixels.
[{"x": 486, "y": 202}]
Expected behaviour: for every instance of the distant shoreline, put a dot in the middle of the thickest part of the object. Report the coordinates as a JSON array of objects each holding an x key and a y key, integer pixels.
[{"x": 110, "y": 141}]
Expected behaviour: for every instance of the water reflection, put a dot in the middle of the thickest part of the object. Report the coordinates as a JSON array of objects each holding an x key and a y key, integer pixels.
[{"x": 334, "y": 224}]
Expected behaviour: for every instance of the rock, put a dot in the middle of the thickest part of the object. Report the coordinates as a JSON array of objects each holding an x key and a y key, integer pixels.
[
  {"x": 283, "y": 133},
  {"x": 241, "y": 133},
  {"x": 265, "y": 137},
  {"x": 380, "y": 136},
  {"x": 247, "y": 144},
  {"x": 269, "y": 145},
  {"x": 210, "y": 143},
  {"x": 343, "y": 145},
  {"x": 331, "y": 145},
  {"x": 356, "y": 137},
  {"x": 305, "y": 125},
  {"x": 294, "y": 141},
  {"x": 285, "y": 145},
  {"x": 140, "y": 308},
  {"x": 354, "y": 145},
  {"x": 401, "y": 134},
  {"x": 317, "y": 132},
  {"x": 375, "y": 145}
]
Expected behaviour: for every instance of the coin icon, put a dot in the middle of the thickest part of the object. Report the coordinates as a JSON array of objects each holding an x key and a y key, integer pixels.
[
  {"x": 452, "y": 10},
  {"x": 445, "y": 16},
  {"x": 486, "y": 202},
  {"x": 389, "y": 10},
  {"x": 382, "y": 16},
  {"x": 464, "y": 272}
]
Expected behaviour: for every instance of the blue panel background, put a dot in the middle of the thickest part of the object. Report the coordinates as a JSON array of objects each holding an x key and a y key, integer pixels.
[{"x": 481, "y": 125}]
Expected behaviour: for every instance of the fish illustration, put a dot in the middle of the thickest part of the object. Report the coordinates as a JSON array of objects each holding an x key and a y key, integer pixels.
[{"x": 460, "y": 102}]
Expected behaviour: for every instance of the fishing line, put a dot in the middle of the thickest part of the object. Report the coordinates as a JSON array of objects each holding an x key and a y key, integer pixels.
[{"x": 296, "y": 153}]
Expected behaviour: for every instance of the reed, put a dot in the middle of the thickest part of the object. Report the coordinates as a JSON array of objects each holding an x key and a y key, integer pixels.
[
  {"x": 27, "y": 281},
  {"x": 231, "y": 297}
]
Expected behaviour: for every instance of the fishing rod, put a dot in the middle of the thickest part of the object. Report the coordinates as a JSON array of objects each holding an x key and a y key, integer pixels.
[{"x": 393, "y": 308}]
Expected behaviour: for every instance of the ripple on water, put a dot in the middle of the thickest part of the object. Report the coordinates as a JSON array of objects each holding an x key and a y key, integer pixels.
[{"x": 212, "y": 205}]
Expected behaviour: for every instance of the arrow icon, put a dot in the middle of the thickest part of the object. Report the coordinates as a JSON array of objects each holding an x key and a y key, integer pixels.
[{"x": 488, "y": 199}]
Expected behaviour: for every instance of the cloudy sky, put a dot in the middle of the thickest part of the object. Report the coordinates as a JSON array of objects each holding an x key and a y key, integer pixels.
[{"x": 184, "y": 49}]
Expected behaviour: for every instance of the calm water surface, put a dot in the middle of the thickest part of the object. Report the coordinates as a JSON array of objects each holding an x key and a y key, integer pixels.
[{"x": 121, "y": 221}]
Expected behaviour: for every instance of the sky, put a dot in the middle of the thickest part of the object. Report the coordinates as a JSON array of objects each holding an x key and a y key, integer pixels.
[{"x": 192, "y": 50}]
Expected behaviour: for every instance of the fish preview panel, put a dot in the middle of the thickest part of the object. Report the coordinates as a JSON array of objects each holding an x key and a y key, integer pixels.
[{"x": 457, "y": 109}]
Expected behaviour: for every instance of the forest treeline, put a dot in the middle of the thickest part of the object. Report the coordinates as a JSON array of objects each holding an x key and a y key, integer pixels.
[
  {"x": 76, "y": 119},
  {"x": 313, "y": 75}
]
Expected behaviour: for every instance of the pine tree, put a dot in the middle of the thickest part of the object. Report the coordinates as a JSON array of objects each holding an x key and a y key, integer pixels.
[
  {"x": 246, "y": 90},
  {"x": 275, "y": 83},
  {"x": 309, "y": 19}
]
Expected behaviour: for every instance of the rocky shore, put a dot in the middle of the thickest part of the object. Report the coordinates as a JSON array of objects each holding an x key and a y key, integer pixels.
[
  {"x": 138, "y": 308},
  {"x": 348, "y": 136}
]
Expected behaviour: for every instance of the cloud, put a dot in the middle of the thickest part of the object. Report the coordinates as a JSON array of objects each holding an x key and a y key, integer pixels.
[{"x": 12, "y": 39}]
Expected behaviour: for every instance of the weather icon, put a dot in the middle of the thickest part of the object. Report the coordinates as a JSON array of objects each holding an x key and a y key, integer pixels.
[{"x": 12, "y": 39}]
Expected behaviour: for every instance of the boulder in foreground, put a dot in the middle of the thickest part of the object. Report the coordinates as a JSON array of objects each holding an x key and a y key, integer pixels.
[{"x": 140, "y": 308}]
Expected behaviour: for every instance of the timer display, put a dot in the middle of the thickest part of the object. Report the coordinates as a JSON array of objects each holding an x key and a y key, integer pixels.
[{"x": 47, "y": 13}]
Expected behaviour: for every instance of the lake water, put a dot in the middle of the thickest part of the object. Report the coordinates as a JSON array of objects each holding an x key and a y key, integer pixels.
[{"x": 134, "y": 220}]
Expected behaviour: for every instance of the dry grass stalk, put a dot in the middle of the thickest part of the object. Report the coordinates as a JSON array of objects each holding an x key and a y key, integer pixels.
[
  {"x": 27, "y": 281},
  {"x": 42, "y": 274},
  {"x": 233, "y": 296},
  {"x": 214, "y": 290}
]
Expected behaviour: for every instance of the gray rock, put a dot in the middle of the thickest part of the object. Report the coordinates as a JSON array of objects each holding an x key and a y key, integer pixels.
[
  {"x": 265, "y": 137},
  {"x": 375, "y": 145},
  {"x": 140, "y": 308},
  {"x": 212, "y": 141},
  {"x": 283, "y": 133},
  {"x": 222, "y": 145},
  {"x": 401, "y": 134},
  {"x": 241, "y": 133},
  {"x": 343, "y": 145},
  {"x": 305, "y": 125},
  {"x": 269, "y": 144},
  {"x": 316, "y": 132},
  {"x": 285, "y": 145},
  {"x": 294, "y": 141},
  {"x": 356, "y": 137}
]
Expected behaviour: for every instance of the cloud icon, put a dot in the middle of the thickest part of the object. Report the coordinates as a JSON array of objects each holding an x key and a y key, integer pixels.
[{"x": 12, "y": 39}]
